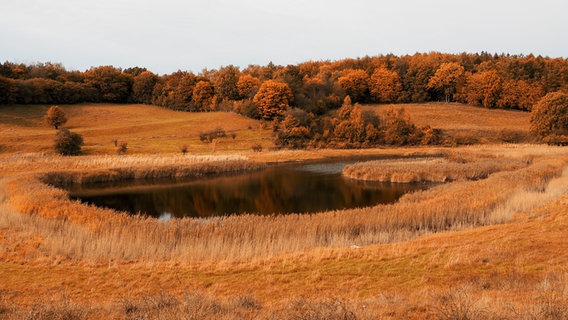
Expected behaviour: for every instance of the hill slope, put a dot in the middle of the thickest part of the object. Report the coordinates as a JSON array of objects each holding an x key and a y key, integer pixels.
[{"x": 146, "y": 129}]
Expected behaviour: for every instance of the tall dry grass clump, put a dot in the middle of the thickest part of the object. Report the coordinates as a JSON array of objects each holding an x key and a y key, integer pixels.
[
  {"x": 450, "y": 168},
  {"x": 99, "y": 234}
]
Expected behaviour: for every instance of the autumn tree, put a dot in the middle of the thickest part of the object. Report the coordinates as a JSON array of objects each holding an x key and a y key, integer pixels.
[
  {"x": 55, "y": 117},
  {"x": 518, "y": 94},
  {"x": 143, "y": 87},
  {"x": 247, "y": 86},
  {"x": 225, "y": 82},
  {"x": 273, "y": 99},
  {"x": 447, "y": 79},
  {"x": 183, "y": 93},
  {"x": 484, "y": 88},
  {"x": 549, "y": 118},
  {"x": 202, "y": 96},
  {"x": 8, "y": 90},
  {"x": 293, "y": 131},
  {"x": 68, "y": 143},
  {"x": 111, "y": 84},
  {"x": 385, "y": 86},
  {"x": 355, "y": 83},
  {"x": 399, "y": 130},
  {"x": 354, "y": 127}
]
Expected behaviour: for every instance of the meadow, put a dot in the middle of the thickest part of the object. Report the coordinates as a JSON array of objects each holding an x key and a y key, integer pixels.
[{"x": 488, "y": 243}]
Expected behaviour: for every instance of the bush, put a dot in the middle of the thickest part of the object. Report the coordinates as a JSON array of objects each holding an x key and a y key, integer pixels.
[
  {"x": 549, "y": 118},
  {"x": 68, "y": 143},
  {"x": 212, "y": 135},
  {"x": 122, "y": 148}
]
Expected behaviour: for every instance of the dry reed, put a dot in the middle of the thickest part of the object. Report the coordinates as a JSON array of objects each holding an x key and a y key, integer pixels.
[
  {"x": 432, "y": 170},
  {"x": 99, "y": 234}
]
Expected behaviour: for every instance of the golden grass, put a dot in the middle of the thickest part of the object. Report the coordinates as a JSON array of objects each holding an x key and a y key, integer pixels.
[
  {"x": 431, "y": 169},
  {"x": 467, "y": 124},
  {"x": 146, "y": 129},
  {"x": 235, "y": 238}
]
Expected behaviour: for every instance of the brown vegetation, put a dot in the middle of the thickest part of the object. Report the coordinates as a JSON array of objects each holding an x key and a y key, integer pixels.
[
  {"x": 451, "y": 168},
  {"x": 490, "y": 244}
]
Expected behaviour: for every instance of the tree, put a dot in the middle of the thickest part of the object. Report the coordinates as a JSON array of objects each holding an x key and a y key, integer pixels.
[
  {"x": 112, "y": 85},
  {"x": 202, "y": 96},
  {"x": 519, "y": 95},
  {"x": 385, "y": 85},
  {"x": 55, "y": 117},
  {"x": 549, "y": 118},
  {"x": 356, "y": 84},
  {"x": 68, "y": 143},
  {"x": 248, "y": 86},
  {"x": 225, "y": 81},
  {"x": 143, "y": 87},
  {"x": 447, "y": 79},
  {"x": 8, "y": 90},
  {"x": 273, "y": 99},
  {"x": 484, "y": 88}
]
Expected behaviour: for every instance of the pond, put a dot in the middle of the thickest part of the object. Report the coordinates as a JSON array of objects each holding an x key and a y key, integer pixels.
[{"x": 279, "y": 189}]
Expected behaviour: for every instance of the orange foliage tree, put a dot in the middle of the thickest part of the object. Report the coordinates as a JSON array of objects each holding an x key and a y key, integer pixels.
[
  {"x": 484, "y": 88},
  {"x": 519, "y": 95},
  {"x": 355, "y": 83},
  {"x": 143, "y": 87},
  {"x": 273, "y": 99},
  {"x": 202, "y": 97},
  {"x": 55, "y": 117},
  {"x": 549, "y": 118},
  {"x": 385, "y": 86},
  {"x": 247, "y": 86},
  {"x": 225, "y": 82},
  {"x": 448, "y": 79}
]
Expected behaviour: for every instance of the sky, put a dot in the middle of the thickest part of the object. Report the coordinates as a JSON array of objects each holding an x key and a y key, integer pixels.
[{"x": 169, "y": 35}]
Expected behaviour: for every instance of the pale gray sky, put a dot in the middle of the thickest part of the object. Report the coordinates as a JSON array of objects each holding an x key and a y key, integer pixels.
[{"x": 167, "y": 35}]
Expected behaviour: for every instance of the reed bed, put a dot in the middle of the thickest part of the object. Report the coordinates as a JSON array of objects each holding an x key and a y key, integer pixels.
[
  {"x": 446, "y": 169},
  {"x": 85, "y": 232},
  {"x": 30, "y": 162}
]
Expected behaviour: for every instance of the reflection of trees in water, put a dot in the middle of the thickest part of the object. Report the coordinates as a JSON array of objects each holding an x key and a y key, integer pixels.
[{"x": 276, "y": 190}]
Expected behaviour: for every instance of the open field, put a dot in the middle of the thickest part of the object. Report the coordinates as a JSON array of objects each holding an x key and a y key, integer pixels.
[
  {"x": 467, "y": 124},
  {"x": 146, "y": 129},
  {"x": 490, "y": 244}
]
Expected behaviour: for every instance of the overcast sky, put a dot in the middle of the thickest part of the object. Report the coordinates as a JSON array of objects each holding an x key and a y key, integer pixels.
[{"x": 167, "y": 35}]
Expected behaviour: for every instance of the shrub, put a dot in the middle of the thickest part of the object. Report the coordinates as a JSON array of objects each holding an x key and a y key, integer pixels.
[
  {"x": 211, "y": 135},
  {"x": 68, "y": 143},
  {"x": 549, "y": 118},
  {"x": 256, "y": 148},
  {"x": 55, "y": 117},
  {"x": 183, "y": 149},
  {"x": 122, "y": 148}
]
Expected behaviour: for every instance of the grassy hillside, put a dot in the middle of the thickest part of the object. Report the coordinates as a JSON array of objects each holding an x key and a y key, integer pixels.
[
  {"x": 467, "y": 124},
  {"x": 146, "y": 129}
]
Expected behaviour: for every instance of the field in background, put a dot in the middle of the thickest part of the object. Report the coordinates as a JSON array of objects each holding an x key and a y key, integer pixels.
[
  {"x": 428, "y": 265},
  {"x": 146, "y": 129},
  {"x": 467, "y": 124}
]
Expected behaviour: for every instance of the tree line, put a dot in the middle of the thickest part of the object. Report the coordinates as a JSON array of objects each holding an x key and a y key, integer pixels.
[{"x": 488, "y": 80}]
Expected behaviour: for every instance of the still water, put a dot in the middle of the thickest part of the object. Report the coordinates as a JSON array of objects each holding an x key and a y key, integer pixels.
[{"x": 280, "y": 189}]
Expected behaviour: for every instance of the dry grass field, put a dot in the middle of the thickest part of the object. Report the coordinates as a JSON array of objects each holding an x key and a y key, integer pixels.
[
  {"x": 467, "y": 124},
  {"x": 489, "y": 243},
  {"x": 146, "y": 129}
]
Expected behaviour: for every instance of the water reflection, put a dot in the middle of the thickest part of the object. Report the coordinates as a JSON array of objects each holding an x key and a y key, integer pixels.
[{"x": 303, "y": 188}]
